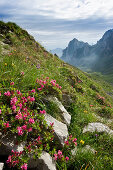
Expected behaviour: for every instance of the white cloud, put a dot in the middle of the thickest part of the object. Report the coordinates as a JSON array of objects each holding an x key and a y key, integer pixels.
[
  {"x": 64, "y": 9},
  {"x": 56, "y": 22}
]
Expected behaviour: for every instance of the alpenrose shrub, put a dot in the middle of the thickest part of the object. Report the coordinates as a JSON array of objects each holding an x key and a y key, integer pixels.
[
  {"x": 18, "y": 117},
  {"x": 47, "y": 86}
]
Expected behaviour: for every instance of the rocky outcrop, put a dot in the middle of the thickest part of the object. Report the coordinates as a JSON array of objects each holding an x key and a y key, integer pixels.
[
  {"x": 99, "y": 127},
  {"x": 60, "y": 129},
  {"x": 65, "y": 114},
  {"x": 45, "y": 162},
  {"x": 8, "y": 143}
]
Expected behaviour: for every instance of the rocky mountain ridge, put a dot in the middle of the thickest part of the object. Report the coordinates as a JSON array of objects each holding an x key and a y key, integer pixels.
[{"x": 98, "y": 57}]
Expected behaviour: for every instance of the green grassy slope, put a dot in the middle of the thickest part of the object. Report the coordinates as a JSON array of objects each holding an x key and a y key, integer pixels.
[{"x": 19, "y": 52}]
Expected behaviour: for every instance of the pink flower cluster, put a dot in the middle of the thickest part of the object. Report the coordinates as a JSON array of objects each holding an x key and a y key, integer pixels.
[
  {"x": 11, "y": 158},
  {"x": 71, "y": 140},
  {"x": 6, "y": 125},
  {"x": 7, "y": 93},
  {"x": 24, "y": 166},
  {"x": 53, "y": 82},
  {"x": 42, "y": 83},
  {"x": 31, "y": 99},
  {"x": 59, "y": 155}
]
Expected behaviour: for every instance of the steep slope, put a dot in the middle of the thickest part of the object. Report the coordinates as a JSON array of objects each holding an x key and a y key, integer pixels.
[{"x": 26, "y": 63}]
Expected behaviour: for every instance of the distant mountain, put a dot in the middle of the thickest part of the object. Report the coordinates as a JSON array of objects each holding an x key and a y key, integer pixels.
[
  {"x": 57, "y": 51},
  {"x": 98, "y": 57}
]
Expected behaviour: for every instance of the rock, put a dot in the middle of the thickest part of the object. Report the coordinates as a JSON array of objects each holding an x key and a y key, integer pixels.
[
  {"x": 65, "y": 114},
  {"x": 1, "y": 166},
  {"x": 8, "y": 143},
  {"x": 99, "y": 127},
  {"x": 89, "y": 149},
  {"x": 45, "y": 162},
  {"x": 60, "y": 129},
  {"x": 74, "y": 151}
]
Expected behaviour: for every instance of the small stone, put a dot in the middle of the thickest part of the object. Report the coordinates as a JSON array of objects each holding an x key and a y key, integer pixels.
[
  {"x": 1, "y": 165},
  {"x": 89, "y": 148}
]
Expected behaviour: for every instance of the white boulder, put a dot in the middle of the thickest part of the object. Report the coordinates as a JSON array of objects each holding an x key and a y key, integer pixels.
[{"x": 97, "y": 126}]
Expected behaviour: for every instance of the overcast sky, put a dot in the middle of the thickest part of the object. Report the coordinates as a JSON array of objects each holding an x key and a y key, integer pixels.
[{"x": 55, "y": 22}]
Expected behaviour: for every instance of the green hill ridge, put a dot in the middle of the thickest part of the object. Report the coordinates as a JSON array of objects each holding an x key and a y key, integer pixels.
[{"x": 24, "y": 65}]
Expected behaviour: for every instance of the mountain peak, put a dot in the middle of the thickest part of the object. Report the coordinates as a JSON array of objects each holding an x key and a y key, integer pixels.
[{"x": 107, "y": 34}]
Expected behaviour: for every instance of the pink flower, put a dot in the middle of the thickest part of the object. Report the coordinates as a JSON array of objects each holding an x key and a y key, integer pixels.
[
  {"x": 31, "y": 121},
  {"x": 33, "y": 91},
  {"x": 67, "y": 158},
  {"x": 14, "y": 100},
  {"x": 38, "y": 139},
  {"x": 14, "y": 108},
  {"x": 42, "y": 85},
  {"x": 40, "y": 81},
  {"x": 19, "y": 115},
  {"x": 75, "y": 143},
  {"x": 59, "y": 152},
  {"x": 25, "y": 116},
  {"x": 24, "y": 127},
  {"x": 60, "y": 87},
  {"x": 53, "y": 83},
  {"x": 57, "y": 85},
  {"x": 67, "y": 142},
  {"x": 20, "y": 131},
  {"x": 32, "y": 99},
  {"x": 12, "y": 83},
  {"x": 24, "y": 166},
  {"x": 7, "y": 93},
  {"x": 55, "y": 156},
  {"x": 22, "y": 73},
  {"x": 9, "y": 159},
  {"x": 39, "y": 89},
  {"x": 51, "y": 124},
  {"x": 24, "y": 100},
  {"x": 44, "y": 82},
  {"x": 0, "y": 93},
  {"x": 20, "y": 105},
  {"x": 75, "y": 139},
  {"x": 6, "y": 125},
  {"x": 43, "y": 112},
  {"x": 0, "y": 111},
  {"x": 30, "y": 129},
  {"x": 18, "y": 92},
  {"x": 70, "y": 137}
]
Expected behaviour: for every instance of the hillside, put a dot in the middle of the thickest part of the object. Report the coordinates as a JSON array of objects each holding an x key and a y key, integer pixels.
[
  {"x": 96, "y": 58},
  {"x": 29, "y": 75}
]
